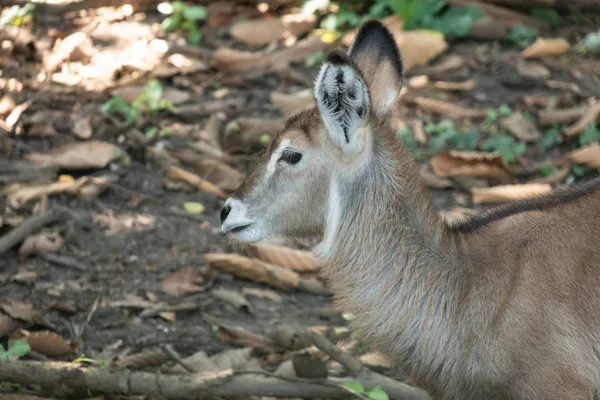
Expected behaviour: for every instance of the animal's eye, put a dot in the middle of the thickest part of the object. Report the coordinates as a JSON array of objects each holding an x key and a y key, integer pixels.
[{"x": 290, "y": 157}]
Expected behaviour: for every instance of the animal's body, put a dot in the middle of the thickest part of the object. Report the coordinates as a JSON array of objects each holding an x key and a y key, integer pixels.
[{"x": 505, "y": 306}]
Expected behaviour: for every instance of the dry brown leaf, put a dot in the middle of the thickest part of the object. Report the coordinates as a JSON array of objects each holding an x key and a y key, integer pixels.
[
  {"x": 194, "y": 180},
  {"x": 259, "y": 32},
  {"x": 434, "y": 181},
  {"x": 521, "y": 128},
  {"x": 291, "y": 104},
  {"x": 133, "y": 301},
  {"x": 546, "y": 47},
  {"x": 75, "y": 47},
  {"x": 22, "y": 311},
  {"x": 447, "y": 109},
  {"x": 417, "y": 47},
  {"x": 479, "y": 164},
  {"x": 455, "y": 86},
  {"x": 179, "y": 64},
  {"x": 43, "y": 242},
  {"x": 223, "y": 175},
  {"x": 199, "y": 362},
  {"x": 83, "y": 155},
  {"x": 263, "y": 294},
  {"x": 590, "y": 117},
  {"x": 561, "y": 116},
  {"x": 589, "y": 155},
  {"x": 255, "y": 270},
  {"x": 7, "y": 104},
  {"x": 375, "y": 360},
  {"x": 296, "y": 260},
  {"x": 500, "y": 194},
  {"x": 144, "y": 359},
  {"x": 7, "y": 324},
  {"x": 47, "y": 343},
  {"x": 96, "y": 185},
  {"x": 232, "y": 297},
  {"x": 26, "y": 194},
  {"x": 251, "y": 130},
  {"x": 230, "y": 60},
  {"x": 555, "y": 178},
  {"x": 182, "y": 282}
]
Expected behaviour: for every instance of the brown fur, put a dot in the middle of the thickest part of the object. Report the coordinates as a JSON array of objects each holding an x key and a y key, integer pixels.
[{"x": 501, "y": 307}]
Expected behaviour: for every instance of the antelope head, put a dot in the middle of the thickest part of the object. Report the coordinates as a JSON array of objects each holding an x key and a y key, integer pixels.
[{"x": 288, "y": 192}]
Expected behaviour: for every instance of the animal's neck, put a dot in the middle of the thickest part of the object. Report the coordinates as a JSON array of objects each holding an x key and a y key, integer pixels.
[{"x": 387, "y": 255}]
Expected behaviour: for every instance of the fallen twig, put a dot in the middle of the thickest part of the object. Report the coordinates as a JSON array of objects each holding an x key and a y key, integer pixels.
[
  {"x": 28, "y": 227},
  {"x": 64, "y": 261},
  {"x": 560, "y": 116},
  {"x": 588, "y": 118},
  {"x": 448, "y": 109}
]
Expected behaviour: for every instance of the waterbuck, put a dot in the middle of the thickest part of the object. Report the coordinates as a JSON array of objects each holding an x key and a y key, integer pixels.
[{"x": 503, "y": 306}]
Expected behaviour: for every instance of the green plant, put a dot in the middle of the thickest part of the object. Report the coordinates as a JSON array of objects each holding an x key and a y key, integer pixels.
[
  {"x": 148, "y": 103},
  {"x": 507, "y": 146},
  {"x": 493, "y": 114},
  {"x": 17, "y": 349},
  {"x": 17, "y": 15},
  {"x": 407, "y": 137},
  {"x": 589, "y": 135},
  {"x": 591, "y": 42},
  {"x": 376, "y": 393},
  {"x": 522, "y": 35},
  {"x": 182, "y": 16},
  {"x": 546, "y": 14},
  {"x": 548, "y": 170},
  {"x": 314, "y": 59},
  {"x": 83, "y": 359},
  {"x": 343, "y": 17},
  {"x": 446, "y": 135},
  {"x": 552, "y": 137},
  {"x": 581, "y": 170}
]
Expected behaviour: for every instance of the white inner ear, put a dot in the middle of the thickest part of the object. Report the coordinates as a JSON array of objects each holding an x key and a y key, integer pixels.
[{"x": 343, "y": 101}]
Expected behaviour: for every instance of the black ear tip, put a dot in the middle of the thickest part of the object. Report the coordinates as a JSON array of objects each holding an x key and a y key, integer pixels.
[
  {"x": 373, "y": 36},
  {"x": 337, "y": 58}
]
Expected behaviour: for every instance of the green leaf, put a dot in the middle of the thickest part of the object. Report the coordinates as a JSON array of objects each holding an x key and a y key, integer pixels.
[
  {"x": 580, "y": 170},
  {"x": 315, "y": 58},
  {"x": 522, "y": 35},
  {"x": 504, "y": 110},
  {"x": 355, "y": 386},
  {"x": 195, "y": 13},
  {"x": 194, "y": 36},
  {"x": 457, "y": 21},
  {"x": 546, "y": 14},
  {"x": 589, "y": 135},
  {"x": 171, "y": 23},
  {"x": 377, "y": 394},
  {"x": 551, "y": 138},
  {"x": 592, "y": 41},
  {"x": 178, "y": 7},
  {"x": 193, "y": 207},
  {"x": 548, "y": 170},
  {"x": 19, "y": 348}
]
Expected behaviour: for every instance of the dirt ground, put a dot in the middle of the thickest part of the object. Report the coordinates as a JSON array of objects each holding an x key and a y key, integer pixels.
[{"x": 103, "y": 290}]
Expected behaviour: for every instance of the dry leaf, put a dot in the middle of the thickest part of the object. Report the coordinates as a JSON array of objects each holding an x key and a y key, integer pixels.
[
  {"x": 455, "y": 86},
  {"x": 75, "y": 47},
  {"x": 546, "y": 47},
  {"x": 96, "y": 185},
  {"x": 291, "y": 104},
  {"x": 199, "y": 362},
  {"x": 434, "y": 181},
  {"x": 296, "y": 260},
  {"x": 259, "y": 32},
  {"x": 182, "y": 282},
  {"x": 84, "y": 155},
  {"x": 22, "y": 311},
  {"x": 44, "y": 242},
  {"x": 7, "y": 324},
  {"x": 522, "y": 128},
  {"x": 499, "y": 194},
  {"x": 180, "y": 174},
  {"x": 255, "y": 270},
  {"x": 590, "y": 116},
  {"x": 130, "y": 93},
  {"x": 479, "y": 164},
  {"x": 232, "y": 297},
  {"x": 26, "y": 194},
  {"x": 263, "y": 294},
  {"x": 144, "y": 359},
  {"x": 589, "y": 155},
  {"x": 555, "y": 178},
  {"x": 417, "y": 47},
  {"x": 133, "y": 301},
  {"x": 447, "y": 109},
  {"x": 47, "y": 343},
  {"x": 230, "y": 60},
  {"x": 223, "y": 175},
  {"x": 234, "y": 358},
  {"x": 561, "y": 116},
  {"x": 238, "y": 335}
]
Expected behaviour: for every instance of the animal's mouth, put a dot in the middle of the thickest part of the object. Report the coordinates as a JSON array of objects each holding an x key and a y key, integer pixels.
[{"x": 239, "y": 229}]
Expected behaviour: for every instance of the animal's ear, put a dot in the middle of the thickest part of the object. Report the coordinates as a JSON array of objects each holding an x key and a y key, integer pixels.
[
  {"x": 343, "y": 101},
  {"x": 376, "y": 55}
]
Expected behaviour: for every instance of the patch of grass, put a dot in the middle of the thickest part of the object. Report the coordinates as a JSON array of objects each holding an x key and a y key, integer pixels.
[
  {"x": 184, "y": 17},
  {"x": 522, "y": 35}
]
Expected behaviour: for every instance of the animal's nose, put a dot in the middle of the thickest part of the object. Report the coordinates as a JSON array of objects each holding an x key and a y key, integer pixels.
[{"x": 225, "y": 212}]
